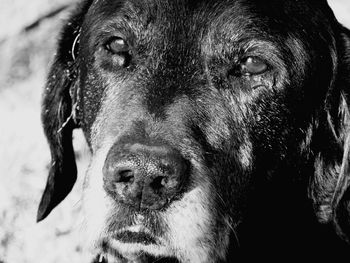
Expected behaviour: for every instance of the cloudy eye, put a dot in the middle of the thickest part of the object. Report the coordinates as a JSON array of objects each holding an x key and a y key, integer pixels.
[
  {"x": 120, "y": 50},
  {"x": 252, "y": 66},
  {"x": 117, "y": 45}
]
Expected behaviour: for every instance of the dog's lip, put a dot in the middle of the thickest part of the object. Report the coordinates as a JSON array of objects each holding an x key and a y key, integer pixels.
[
  {"x": 135, "y": 237},
  {"x": 135, "y": 234}
]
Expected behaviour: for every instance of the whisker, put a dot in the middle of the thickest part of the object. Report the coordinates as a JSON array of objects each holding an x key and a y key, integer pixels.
[
  {"x": 158, "y": 259},
  {"x": 233, "y": 230}
]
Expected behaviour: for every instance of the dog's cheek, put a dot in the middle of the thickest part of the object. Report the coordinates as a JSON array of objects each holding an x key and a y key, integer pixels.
[
  {"x": 227, "y": 128},
  {"x": 192, "y": 226},
  {"x": 245, "y": 154}
]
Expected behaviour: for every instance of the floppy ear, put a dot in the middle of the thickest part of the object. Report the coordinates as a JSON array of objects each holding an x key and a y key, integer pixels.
[
  {"x": 341, "y": 196},
  {"x": 330, "y": 189},
  {"x": 59, "y": 114}
]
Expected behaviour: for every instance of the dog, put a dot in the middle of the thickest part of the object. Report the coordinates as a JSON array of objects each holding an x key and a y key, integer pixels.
[{"x": 219, "y": 130}]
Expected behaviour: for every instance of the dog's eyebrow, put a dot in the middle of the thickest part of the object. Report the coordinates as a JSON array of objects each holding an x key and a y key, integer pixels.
[
  {"x": 117, "y": 27},
  {"x": 252, "y": 46},
  {"x": 263, "y": 48},
  {"x": 120, "y": 18},
  {"x": 111, "y": 28}
]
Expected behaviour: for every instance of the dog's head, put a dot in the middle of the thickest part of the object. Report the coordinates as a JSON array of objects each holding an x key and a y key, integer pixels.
[{"x": 200, "y": 115}]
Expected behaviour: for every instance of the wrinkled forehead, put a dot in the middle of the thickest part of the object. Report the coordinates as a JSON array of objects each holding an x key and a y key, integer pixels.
[
  {"x": 225, "y": 19},
  {"x": 234, "y": 19}
]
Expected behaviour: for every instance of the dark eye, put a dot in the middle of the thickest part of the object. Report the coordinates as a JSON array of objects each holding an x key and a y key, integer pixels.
[
  {"x": 118, "y": 47},
  {"x": 252, "y": 66}
]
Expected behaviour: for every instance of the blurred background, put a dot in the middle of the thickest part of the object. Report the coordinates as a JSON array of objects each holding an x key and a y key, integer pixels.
[{"x": 28, "y": 33}]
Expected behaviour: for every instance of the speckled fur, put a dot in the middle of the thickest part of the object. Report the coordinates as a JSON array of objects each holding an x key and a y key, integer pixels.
[{"x": 269, "y": 153}]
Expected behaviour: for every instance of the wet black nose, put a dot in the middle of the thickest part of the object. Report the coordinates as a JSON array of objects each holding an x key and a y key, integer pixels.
[{"x": 144, "y": 176}]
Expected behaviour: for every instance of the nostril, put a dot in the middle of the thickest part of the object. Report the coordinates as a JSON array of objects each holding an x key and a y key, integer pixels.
[
  {"x": 164, "y": 182},
  {"x": 158, "y": 183},
  {"x": 125, "y": 176}
]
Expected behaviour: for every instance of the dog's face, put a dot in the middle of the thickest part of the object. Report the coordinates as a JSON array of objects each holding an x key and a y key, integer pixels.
[{"x": 196, "y": 114}]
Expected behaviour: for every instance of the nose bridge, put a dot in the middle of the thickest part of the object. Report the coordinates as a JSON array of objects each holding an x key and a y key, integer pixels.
[
  {"x": 149, "y": 148},
  {"x": 165, "y": 89},
  {"x": 173, "y": 75}
]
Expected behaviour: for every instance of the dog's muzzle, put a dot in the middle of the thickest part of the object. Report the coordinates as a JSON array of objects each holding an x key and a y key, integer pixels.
[{"x": 144, "y": 176}]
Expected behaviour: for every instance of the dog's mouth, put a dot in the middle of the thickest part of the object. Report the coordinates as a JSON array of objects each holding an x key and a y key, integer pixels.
[
  {"x": 143, "y": 238},
  {"x": 131, "y": 244},
  {"x": 110, "y": 254},
  {"x": 145, "y": 259},
  {"x": 136, "y": 233}
]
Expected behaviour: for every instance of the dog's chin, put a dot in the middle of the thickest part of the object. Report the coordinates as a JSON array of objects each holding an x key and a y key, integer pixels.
[
  {"x": 133, "y": 244},
  {"x": 141, "y": 258}
]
